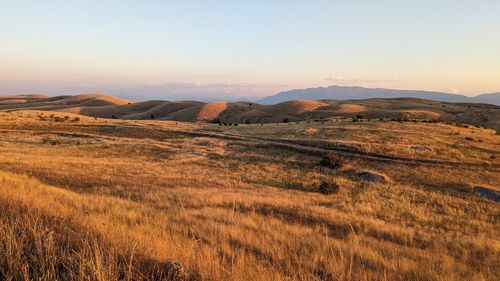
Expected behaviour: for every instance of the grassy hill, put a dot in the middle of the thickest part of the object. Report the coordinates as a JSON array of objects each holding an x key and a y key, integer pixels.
[
  {"x": 105, "y": 106},
  {"x": 109, "y": 199}
]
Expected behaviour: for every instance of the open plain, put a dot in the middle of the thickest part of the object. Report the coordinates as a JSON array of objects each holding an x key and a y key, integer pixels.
[{"x": 85, "y": 198}]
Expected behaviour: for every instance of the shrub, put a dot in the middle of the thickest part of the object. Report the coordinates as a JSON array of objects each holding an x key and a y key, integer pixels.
[
  {"x": 58, "y": 119},
  {"x": 152, "y": 116},
  {"x": 286, "y": 120},
  {"x": 47, "y": 140},
  {"x": 77, "y": 119},
  {"x": 402, "y": 119},
  {"x": 328, "y": 188},
  {"x": 235, "y": 124},
  {"x": 332, "y": 161},
  {"x": 66, "y": 117},
  {"x": 247, "y": 121},
  {"x": 469, "y": 138}
]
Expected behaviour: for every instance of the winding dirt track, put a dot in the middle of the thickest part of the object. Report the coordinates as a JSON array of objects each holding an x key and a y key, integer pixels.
[
  {"x": 306, "y": 148},
  {"x": 285, "y": 144},
  {"x": 319, "y": 150}
]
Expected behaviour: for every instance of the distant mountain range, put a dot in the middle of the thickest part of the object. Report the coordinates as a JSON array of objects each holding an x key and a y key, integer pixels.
[{"x": 355, "y": 93}]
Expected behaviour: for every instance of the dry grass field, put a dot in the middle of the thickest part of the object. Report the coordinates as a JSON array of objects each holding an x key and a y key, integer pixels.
[{"x": 84, "y": 198}]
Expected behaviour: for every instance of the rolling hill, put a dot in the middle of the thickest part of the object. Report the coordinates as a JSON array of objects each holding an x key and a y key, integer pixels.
[{"x": 106, "y": 106}]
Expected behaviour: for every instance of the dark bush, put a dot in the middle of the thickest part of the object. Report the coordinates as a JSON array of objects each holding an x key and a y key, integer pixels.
[
  {"x": 247, "y": 121},
  {"x": 328, "y": 188},
  {"x": 469, "y": 138},
  {"x": 332, "y": 161},
  {"x": 152, "y": 116},
  {"x": 77, "y": 119},
  {"x": 286, "y": 120}
]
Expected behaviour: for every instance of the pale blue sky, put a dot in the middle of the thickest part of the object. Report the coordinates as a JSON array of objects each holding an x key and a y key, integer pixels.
[{"x": 442, "y": 45}]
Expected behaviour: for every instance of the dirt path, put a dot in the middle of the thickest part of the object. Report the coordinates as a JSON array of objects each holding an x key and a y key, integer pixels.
[
  {"x": 347, "y": 152},
  {"x": 291, "y": 145},
  {"x": 318, "y": 150}
]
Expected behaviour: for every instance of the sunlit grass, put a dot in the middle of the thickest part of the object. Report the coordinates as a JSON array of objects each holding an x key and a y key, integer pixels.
[{"x": 151, "y": 204}]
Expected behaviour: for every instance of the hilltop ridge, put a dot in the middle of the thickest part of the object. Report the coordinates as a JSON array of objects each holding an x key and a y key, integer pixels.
[{"x": 107, "y": 106}]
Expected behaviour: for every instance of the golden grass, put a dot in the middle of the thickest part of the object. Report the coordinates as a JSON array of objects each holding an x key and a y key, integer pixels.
[
  {"x": 101, "y": 200},
  {"x": 436, "y": 141}
]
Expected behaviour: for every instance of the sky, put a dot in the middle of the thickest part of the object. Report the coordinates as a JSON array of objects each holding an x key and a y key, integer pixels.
[{"x": 250, "y": 48}]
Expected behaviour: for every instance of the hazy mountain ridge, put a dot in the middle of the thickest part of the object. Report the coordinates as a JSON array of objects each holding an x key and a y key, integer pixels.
[
  {"x": 493, "y": 98},
  {"x": 354, "y": 93}
]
